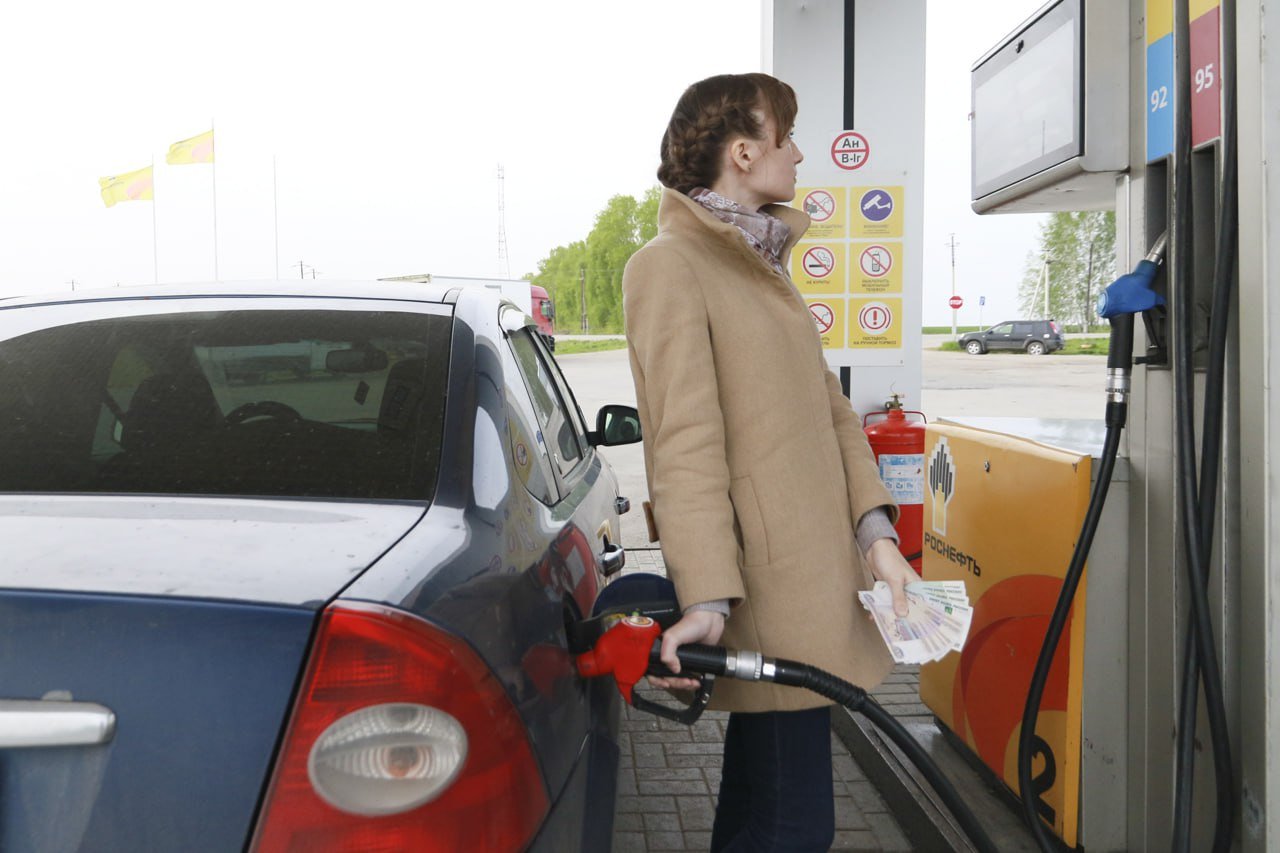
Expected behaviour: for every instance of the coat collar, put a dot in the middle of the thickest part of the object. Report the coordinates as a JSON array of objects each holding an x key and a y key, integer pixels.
[{"x": 678, "y": 212}]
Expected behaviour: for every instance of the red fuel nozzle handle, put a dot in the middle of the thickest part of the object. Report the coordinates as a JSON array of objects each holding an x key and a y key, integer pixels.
[
  {"x": 630, "y": 650},
  {"x": 623, "y": 652}
]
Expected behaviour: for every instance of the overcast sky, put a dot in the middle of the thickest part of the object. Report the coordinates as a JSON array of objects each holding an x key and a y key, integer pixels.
[{"x": 388, "y": 121}]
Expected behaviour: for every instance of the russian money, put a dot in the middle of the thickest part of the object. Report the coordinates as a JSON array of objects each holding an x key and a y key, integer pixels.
[{"x": 936, "y": 624}]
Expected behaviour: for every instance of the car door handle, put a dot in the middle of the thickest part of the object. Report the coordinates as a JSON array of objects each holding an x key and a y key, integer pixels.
[
  {"x": 612, "y": 559},
  {"x": 31, "y": 723},
  {"x": 622, "y": 505}
]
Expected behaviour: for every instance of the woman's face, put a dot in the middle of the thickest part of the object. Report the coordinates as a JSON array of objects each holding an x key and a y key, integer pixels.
[{"x": 773, "y": 175}]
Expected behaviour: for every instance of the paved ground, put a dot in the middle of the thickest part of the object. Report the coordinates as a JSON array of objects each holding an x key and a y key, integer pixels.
[{"x": 670, "y": 774}]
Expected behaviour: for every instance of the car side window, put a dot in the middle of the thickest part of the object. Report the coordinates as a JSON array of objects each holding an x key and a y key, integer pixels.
[
  {"x": 525, "y": 435},
  {"x": 556, "y": 422},
  {"x": 578, "y": 420},
  {"x": 1006, "y": 329},
  {"x": 1021, "y": 330}
]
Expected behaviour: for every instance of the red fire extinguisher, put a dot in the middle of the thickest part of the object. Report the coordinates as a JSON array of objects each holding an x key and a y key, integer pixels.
[{"x": 899, "y": 448}]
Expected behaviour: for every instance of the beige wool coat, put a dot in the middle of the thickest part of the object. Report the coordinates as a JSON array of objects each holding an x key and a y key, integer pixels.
[{"x": 758, "y": 467}]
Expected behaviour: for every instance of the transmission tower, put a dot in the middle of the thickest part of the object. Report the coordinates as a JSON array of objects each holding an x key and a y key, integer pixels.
[{"x": 504, "y": 265}]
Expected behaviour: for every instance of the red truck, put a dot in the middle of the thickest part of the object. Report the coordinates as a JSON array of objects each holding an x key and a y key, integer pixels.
[{"x": 544, "y": 314}]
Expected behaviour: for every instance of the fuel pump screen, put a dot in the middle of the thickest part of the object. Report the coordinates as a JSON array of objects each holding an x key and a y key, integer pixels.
[{"x": 1027, "y": 101}]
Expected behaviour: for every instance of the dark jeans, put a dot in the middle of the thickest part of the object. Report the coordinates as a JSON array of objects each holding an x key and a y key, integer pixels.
[{"x": 775, "y": 790}]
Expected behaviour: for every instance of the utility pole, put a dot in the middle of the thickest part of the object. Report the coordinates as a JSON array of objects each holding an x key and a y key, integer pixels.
[
  {"x": 302, "y": 268},
  {"x": 1088, "y": 290},
  {"x": 582, "y": 295},
  {"x": 954, "y": 312},
  {"x": 73, "y": 284},
  {"x": 504, "y": 264},
  {"x": 1044, "y": 278}
]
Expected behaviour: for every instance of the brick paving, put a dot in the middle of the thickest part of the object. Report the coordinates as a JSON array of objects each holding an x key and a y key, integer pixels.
[{"x": 670, "y": 773}]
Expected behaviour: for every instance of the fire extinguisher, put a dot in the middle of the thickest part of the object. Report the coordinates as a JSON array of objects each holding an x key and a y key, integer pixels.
[{"x": 899, "y": 448}]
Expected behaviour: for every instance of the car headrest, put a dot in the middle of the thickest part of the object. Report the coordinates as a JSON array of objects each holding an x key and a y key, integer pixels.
[{"x": 169, "y": 408}]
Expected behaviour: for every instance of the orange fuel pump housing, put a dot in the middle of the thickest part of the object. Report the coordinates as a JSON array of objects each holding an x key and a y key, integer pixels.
[{"x": 898, "y": 444}]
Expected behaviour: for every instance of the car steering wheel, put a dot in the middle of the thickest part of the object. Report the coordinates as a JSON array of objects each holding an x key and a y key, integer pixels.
[{"x": 262, "y": 409}]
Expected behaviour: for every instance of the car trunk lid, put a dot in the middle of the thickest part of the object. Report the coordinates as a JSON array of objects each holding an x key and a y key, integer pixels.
[{"x": 197, "y": 691}]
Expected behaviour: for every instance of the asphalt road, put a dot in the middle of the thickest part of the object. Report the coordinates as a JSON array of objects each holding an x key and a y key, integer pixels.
[{"x": 955, "y": 384}]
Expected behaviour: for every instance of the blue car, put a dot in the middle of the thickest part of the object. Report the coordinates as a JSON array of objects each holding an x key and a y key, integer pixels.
[{"x": 289, "y": 567}]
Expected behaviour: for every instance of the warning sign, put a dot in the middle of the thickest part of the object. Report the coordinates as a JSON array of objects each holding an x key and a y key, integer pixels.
[
  {"x": 878, "y": 211},
  {"x": 875, "y": 323},
  {"x": 826, "y": 207},
  {"x": 819, "y": 267},
  {"x": 850, "y": 150},
  {"x": 828, "y": 319},
  {"x": 879, "y": 268}
]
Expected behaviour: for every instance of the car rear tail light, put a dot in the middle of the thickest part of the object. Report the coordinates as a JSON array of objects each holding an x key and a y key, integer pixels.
[
  {"x": 400, "y": 739},
  {"x": 1054, "y": 326}
]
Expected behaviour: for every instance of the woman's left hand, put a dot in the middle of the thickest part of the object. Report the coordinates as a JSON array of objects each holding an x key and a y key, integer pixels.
[{"x": 888, "y": 565}]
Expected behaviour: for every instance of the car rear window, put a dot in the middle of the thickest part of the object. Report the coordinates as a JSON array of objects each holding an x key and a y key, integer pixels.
[{"x": 278, "y": 403}]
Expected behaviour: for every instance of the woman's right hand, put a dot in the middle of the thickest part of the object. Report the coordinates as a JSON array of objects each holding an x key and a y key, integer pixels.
[{"x": 699, "y": 626}]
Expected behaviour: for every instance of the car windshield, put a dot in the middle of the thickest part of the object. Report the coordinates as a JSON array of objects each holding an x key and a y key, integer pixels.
[{"x": 283, "y": 403}]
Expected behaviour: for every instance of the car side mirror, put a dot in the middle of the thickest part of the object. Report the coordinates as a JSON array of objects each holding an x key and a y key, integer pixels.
[{"x": 615, "y": 425}]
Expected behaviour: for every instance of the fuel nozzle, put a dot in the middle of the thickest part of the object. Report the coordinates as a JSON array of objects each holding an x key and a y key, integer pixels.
[{"x": 1130, "y": 294}]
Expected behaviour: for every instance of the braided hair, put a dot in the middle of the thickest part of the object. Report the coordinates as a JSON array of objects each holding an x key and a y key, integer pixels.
[{"x": 709, "y": 114}]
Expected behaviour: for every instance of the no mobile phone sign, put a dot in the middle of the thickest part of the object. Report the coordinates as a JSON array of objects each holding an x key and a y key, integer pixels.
[{"x": 850, "y": 150}]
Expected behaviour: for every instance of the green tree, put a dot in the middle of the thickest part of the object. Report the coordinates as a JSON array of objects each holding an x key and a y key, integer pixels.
[
  {"x": 622, "y": 227},
  {"x": 1077, "y": 256}
]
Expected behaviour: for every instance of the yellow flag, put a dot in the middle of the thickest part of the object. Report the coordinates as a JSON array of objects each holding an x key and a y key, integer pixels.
[
  {"x": 131, "y": 186},
  {"x": 197, "y": 149}
]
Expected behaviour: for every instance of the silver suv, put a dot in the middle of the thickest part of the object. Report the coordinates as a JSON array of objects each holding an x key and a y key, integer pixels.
[{"x": 1035, "y": 337}]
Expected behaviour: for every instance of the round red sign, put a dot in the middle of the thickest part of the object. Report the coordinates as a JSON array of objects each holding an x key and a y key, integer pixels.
[{"x": 956, "y": 302}]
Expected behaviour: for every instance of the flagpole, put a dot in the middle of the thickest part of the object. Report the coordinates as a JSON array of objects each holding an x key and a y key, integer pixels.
[
  {"x": 155, "y": 252},
  {"x": 275, "y": 211},
  {"x": 215, "y": 199}
]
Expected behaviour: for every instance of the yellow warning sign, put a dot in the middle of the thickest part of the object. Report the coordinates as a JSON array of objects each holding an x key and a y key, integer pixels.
[
  {"x": 875, "y": 323},
  {"x": 877, "y": 212},
  {"x": 827, "y": 208},
  {"x": 820, "y": 267},
  {"x": 828, "y": 317},
  {"x": 876, "y": 267}
]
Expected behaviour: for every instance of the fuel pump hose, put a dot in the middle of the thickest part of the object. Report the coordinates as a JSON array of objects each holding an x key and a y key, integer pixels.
[{"x": 750, "y": 666}]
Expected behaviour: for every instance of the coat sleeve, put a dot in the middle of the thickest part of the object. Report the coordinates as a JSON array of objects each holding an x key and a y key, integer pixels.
[
  {"x": 861, "y": 473},
  {"x": 669, "y": 336}
]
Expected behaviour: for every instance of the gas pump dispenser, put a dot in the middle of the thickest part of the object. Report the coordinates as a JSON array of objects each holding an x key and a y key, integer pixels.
[{"x": 1160, "y": 146}]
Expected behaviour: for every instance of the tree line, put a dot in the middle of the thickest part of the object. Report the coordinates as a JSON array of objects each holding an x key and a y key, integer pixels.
[
  {"x": 593, "y": 267},
  {"x": 1076, "y": 259}
]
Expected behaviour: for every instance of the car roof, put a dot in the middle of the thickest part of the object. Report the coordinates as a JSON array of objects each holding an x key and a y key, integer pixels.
[{"x": 400, "y": 290}]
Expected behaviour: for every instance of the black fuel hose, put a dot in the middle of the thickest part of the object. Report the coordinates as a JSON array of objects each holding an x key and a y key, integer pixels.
[
  {"x": 1196, "y": 501},
  {"x": 715, "y": 660},
  {"x": 1115, "y": 420}
]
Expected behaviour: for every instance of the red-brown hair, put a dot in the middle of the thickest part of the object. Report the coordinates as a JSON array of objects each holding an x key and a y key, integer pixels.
[{"x": 709, "y": 114}]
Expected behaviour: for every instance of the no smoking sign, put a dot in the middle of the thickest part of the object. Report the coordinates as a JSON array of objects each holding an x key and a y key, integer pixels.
[{"x": 819, "y": 262}]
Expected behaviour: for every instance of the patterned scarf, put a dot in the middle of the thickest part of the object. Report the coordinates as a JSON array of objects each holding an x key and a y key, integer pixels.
[{"x": 764, "y": 233}]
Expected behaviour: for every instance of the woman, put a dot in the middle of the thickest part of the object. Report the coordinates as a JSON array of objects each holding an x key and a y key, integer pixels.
[{"x": 765, "y": 495}]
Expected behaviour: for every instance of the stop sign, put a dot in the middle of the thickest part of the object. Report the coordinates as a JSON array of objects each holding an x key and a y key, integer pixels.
[{"x": 956, "y": 301}]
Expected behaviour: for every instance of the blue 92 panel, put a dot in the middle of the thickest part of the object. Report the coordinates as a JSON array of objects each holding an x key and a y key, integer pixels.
[{"x": 1160, "y": 98}]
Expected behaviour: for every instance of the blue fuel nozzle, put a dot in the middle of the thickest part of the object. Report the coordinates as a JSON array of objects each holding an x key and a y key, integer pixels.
[{"x": 1131, "y": 293}]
